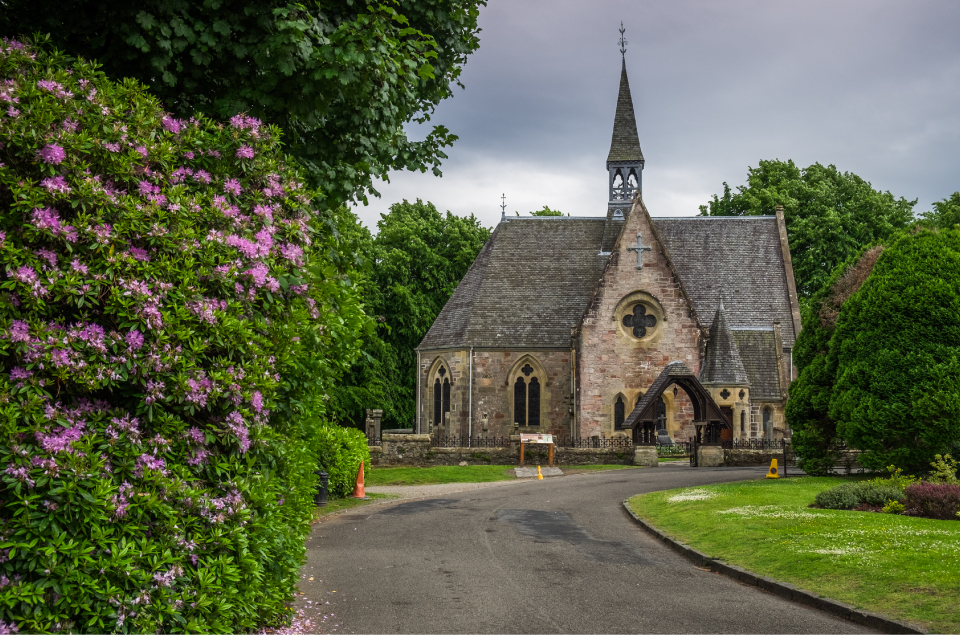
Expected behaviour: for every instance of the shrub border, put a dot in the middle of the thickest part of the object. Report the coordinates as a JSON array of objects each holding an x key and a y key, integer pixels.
[{"x": 779, "y": 588}]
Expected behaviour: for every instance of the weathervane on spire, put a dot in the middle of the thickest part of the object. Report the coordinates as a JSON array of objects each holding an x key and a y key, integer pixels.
[
  {"x": 503, "y": 206},
  {"x": 623, "y": 43}
]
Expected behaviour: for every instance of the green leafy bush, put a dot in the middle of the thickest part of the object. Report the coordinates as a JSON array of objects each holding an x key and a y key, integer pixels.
[
  {"x": 944, "y": 469},
  {"x": 340, "y": 451},
  {"x": 838, "y": 498},
  {"x": 894, "y": 507},
  {"x": 849, "y": 496},
  {"x": 158, "y": 339}
]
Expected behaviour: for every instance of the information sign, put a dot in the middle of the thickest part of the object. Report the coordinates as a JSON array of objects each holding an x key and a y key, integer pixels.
[{"x": 536, "y": 438}]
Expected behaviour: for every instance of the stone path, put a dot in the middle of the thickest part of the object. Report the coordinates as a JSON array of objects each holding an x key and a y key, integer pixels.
[{"x": 558, "y": 555}]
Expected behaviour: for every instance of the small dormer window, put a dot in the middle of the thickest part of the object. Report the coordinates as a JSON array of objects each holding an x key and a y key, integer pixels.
[{"x": 618, "y": 214}]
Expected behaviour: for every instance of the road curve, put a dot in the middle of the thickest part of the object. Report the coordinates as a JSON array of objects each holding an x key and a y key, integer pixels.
[{"x": 557, "y": 556}]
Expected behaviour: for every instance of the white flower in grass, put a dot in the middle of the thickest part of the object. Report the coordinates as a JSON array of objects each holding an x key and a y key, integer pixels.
[{"x": 695, "y": 494}]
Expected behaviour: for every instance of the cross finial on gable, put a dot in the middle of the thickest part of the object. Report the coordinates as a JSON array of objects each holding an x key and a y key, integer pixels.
[
  {"x": 503, "y": 206},
  {"x": 622, "y": 42},
  {"x": 639, "y": 248}
]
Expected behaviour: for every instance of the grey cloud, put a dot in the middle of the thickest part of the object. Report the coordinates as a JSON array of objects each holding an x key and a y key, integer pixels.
[{"x": 870, "y": 86}]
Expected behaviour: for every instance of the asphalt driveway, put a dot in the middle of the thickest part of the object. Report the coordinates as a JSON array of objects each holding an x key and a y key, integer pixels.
[{"x": 557, "y": 556}]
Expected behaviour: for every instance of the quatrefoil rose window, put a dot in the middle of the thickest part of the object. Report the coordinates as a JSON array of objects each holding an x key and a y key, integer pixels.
[{"x": 639, "y": 320}]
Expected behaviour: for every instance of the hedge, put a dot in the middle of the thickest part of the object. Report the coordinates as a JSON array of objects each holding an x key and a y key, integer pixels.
[{"x": 155, "y": 305}]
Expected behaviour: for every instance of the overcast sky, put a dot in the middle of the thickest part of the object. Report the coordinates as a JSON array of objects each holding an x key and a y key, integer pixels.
[{"x": 872, "y": 87}]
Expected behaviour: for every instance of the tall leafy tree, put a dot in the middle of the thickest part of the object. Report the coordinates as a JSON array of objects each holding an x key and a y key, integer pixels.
[
  {"x": 896, "y": 350},
  {"x": 416, "y": 261},
  {"x": 830, "y": 215},
  {"x": 340, "y": 77},
  {"x": 945, "y": 214}
]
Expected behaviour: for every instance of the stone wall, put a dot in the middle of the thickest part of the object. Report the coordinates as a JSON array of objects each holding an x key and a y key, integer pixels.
[
  {"x": 612, "y": 361},
  {"x": 494, "y": 373},
  {"x": 415, "y": 450},
  {"x": 750, "y": 457}
]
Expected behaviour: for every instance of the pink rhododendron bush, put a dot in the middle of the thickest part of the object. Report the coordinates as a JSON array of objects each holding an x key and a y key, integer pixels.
[{"x": 154, "y": 314}]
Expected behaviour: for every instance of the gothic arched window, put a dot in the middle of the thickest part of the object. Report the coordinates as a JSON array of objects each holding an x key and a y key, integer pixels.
[
  {"x": 533, "y": 407},
  {"x": 618, "y": 414},
  {"x": 766, "y": 422},
  {"x": 743, "y": 422},
  {"x": 520, "y": 402},
  {"x": 436, "y": 403}
]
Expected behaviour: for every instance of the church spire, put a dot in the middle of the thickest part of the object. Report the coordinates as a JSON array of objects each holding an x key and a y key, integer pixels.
[
  {"x": 625, "y": 159},
  {"x": 722, "y": 364}
]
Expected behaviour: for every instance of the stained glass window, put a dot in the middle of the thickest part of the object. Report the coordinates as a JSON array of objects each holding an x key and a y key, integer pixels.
[
  {"x": 618, "y": 414},
  {"x": 533, "y": 409},
  {"x": 639, "y": 321}
]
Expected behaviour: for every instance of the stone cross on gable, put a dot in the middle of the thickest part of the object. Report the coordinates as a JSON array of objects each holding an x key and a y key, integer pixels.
[{"x": 639, "y": 248}]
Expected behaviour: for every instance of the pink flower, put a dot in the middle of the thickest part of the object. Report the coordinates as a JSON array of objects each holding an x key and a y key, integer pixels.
[
  {"x": 202, "y": 176},
  {"x": 256, "y": 401},
  {"x": 134, "y": 339},
  {"x": 245, "y": 152},
  {"x": 78, "y": 267},
  {"x": 293, "y": 253},
  {"x": 233, "y": 186},
  {"x": 243, "y": 122},
  {"x": 26, "y": 275},
  {"x": 12, "y": 112},
  {"x": 140, "y": 254},
  {"x": 69, "y": 125},
  {"x": 17, "y": 373},
  {"x": 52, "y": 153},
  {"x": 172, "y": 125},
  {"x": 19, "y": 331},
  {"x": 142, "y": 151},
  {"x": 112, "y": 147},
  {"x": 56, "y": 185}
]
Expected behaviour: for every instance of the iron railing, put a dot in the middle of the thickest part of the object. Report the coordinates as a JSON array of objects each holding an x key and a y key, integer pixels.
[
  {"x": 373, "y": 441},
  {"x": 754, "y": 444},
  {"x": 470, "y": 442},
  {"x": 677, "y": 449},
  {"x": 593, "y": 442}
]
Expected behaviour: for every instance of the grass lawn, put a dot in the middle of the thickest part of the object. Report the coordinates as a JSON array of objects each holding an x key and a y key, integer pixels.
[
  {"x": 904, "y": 567},
  {"x": 338, "y": 505},
  {"x": 459, "y": 474}
]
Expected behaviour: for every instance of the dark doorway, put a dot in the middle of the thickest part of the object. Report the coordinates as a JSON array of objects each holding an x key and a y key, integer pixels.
[{"x": 726, "y": 434}]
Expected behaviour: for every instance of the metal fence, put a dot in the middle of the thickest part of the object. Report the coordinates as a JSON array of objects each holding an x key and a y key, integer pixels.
[
  {"x": 373, "y": 441},
  {"x": 677, "y": 449},
  {"x": 593, "y": 442},
  {"x": 470, "y": 442},
  {"x": 754, "y": 444}
]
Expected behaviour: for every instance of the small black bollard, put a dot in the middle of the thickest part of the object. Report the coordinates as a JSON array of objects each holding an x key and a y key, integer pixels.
[{"x": 320, "y": 498}]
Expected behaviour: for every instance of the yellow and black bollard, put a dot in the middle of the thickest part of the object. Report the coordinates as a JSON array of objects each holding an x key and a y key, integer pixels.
[{"x": 773, "y": 473}]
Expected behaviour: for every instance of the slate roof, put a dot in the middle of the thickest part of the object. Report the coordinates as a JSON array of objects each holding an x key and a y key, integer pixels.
[
  {"x": 528, "y": 286},
  {"x": 758, "y": 351},
  {"x": 737, "y": 255},
  {"x": 625, "y": 144},
  {"x": 534, "y": 278},
  {"x": 722, "y": 363}
]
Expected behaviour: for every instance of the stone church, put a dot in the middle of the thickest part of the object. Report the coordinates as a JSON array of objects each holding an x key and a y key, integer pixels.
[{"x": 617, "y": 325}]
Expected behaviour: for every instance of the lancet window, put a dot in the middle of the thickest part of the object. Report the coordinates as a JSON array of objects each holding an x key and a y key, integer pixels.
[
  {"x": 619, "y": 413},
  {"x": 526, "y": 397}
]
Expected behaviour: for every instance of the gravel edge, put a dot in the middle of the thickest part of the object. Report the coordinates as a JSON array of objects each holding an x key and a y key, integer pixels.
[{"x": 781, "y": 589}]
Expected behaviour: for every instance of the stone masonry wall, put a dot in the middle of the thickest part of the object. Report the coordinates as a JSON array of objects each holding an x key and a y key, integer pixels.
[
  {"x": 493, "y": 376},
  {"x": 612, "y": 361},
  {"x": 415, "y": 450}
]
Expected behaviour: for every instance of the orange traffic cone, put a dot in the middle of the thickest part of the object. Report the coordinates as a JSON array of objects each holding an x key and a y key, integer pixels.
[{"x": 358, "y": 492}]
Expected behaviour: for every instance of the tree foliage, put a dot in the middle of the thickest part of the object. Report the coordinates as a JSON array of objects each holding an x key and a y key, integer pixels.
[
  {"x": 945, "y": 213},
  {"x": 546, "y": 211},
  {"x": 896, "y": 349},
  {"x": 340, "y": 77},
  {"x": 879, "y": 357},
  {"x": 416, "y": 261},
  {"x": 172, "y": 309},
  {"x": 830, "y": 215}
]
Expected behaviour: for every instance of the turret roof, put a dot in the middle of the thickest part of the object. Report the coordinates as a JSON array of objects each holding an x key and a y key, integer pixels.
[
  {"x": 722, "y": 364},
  {"x": 625, "y": 144}
]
